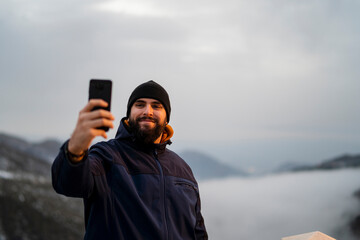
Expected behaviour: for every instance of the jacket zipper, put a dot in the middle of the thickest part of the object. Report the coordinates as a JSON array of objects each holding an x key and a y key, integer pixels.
[{"x": 162, "y": 187}]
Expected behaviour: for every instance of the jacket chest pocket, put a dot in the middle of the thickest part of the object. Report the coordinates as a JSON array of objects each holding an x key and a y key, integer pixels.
[
  {"x": 185, "y": 185},
  {"x": 186, "y": 192},
  {"x": 183, "y": 202}
]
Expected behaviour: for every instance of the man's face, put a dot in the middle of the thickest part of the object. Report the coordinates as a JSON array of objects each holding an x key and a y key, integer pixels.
[{"x": 147, "y": 119}]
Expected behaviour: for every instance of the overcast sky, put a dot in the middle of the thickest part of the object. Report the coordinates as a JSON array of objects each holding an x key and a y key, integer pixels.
[{"x": 249, "y": 81}]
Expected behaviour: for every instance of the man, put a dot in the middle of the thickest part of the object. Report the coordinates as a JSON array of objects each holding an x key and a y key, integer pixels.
[{"x": 133, "y": 186}]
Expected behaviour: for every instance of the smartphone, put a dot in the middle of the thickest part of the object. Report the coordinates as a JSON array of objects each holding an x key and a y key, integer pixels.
[{"x": 101, "y": 89}]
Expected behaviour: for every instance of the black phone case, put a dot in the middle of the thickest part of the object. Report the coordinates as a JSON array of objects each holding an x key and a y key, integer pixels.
[{"x": 101, "y": 89}]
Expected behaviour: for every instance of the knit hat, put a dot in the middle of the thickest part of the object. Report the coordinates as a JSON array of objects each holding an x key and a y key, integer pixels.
[{"x": 152, "y": 90}]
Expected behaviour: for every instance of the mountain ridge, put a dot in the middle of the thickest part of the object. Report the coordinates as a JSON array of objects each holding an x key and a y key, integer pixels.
[
  {"x": 47, "y": 150},
  {"x": 207, "y": 167},
  {"x": 31, "y": 209}
]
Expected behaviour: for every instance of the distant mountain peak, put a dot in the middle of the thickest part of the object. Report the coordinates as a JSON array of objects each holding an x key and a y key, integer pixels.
[
  {"x": 205, "y": 166},
  {"x": 342, "y": 161}
]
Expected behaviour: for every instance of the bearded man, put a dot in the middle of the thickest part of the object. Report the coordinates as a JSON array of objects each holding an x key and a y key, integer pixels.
[{"x": 133, "y": 186}]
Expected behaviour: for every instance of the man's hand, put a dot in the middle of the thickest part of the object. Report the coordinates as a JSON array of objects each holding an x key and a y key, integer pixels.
[{"x": 87, "y": 124}]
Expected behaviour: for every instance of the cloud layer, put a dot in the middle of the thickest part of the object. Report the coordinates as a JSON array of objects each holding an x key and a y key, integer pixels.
[{"x": 277, "y": 206}]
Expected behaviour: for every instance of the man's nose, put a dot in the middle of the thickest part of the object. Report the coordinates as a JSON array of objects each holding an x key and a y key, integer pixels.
[{"x": 148, "y": 111}]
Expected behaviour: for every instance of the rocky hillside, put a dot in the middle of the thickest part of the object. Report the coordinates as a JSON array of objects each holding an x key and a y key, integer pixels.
[
  {"x": 355, "y": 222},
  {"x": 29, "y": 207}
]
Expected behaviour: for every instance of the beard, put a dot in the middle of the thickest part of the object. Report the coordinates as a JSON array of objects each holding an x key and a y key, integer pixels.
[{"x": 146, "y": 135}]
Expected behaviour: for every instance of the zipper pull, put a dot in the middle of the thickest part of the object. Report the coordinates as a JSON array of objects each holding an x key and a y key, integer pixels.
[{"x": 156, "y": 153}]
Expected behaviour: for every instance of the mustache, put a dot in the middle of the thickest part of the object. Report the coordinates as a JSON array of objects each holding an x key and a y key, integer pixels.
[{"x": 146, "y": 118}]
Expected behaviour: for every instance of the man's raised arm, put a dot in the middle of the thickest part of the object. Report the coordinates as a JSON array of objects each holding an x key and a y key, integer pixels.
[{"x": 71, "y": 174}]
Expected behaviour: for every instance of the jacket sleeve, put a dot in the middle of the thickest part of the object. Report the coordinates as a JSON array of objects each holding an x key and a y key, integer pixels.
[
  {"x": 69, "y": 179},
  {"x": 200, "y": 229}
]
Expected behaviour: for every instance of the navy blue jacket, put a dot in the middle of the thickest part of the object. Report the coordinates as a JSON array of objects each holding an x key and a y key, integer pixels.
[{"x": 131, "y": 191}]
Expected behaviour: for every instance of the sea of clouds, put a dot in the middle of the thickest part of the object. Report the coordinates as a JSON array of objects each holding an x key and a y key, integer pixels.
[{"x": 276, "y": 206}]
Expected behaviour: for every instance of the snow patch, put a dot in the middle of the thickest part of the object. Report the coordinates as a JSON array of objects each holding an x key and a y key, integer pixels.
[{"x": 6, "y": 175}]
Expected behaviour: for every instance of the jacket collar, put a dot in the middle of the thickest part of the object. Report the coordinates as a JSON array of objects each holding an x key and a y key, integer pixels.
[{"x": 123, "y": 131}]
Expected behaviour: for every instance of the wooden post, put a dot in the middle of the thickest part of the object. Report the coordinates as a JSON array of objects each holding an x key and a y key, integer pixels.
[{"x": 310, "y": 236}]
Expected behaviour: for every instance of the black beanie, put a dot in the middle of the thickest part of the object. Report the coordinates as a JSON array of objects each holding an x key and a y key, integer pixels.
[{"x": 152, "y": 90}]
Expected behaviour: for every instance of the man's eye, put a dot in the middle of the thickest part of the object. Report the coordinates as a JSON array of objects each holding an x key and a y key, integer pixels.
[
  {"x": 139, "y": 104},
  {"x": 157, "y": 106}
]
